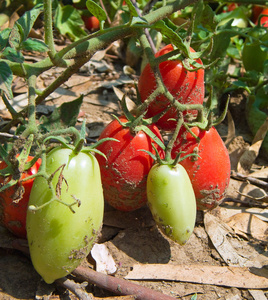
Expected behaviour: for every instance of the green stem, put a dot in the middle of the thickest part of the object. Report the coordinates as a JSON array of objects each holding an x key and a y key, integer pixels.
[
  {"x": 48, "y": 27},
  {"x": 173, "y": 138},
  {"x": 8, "y": 105},
  {"x": 31, "y": 127}
]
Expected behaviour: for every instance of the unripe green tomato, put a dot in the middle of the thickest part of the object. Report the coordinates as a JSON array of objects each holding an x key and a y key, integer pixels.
[
  {"x": 171, "y": 200},
  {"x": 58, "y": 238}
]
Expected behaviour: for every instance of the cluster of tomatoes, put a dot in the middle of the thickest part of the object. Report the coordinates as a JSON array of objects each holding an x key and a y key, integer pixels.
[
  {"x": 128, "y": 173},
  {"x": 124, "y": 174}
]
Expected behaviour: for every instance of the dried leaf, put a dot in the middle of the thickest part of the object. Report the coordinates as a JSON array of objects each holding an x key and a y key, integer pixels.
[
  {"x": 239, "y": 277},
  {"x": 249, "y": 156},
  {"x": 104, "y": 260},
  {"x": 257, "y": 294},
  {"x": 231, "y": 130},
  {"x": 130, "y": 104},
  {"x": 218, "y": 232},
  {"x": 249, "y": 224}
]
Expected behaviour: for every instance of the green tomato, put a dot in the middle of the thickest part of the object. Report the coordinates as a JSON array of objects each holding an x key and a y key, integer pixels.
[
  {"x": 172, "y": 201},
  {"x": 59, "y": 238}
]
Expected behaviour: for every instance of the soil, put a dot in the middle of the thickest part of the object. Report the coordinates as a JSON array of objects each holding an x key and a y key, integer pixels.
[{"x": 133, "y": 237}]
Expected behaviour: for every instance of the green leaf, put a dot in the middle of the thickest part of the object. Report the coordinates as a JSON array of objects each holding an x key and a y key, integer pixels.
[
  {"x": 6, "y": 77},
  {"x": 34, "y": 45},
  {"x": 68, "y": 22},
  {"x": 4, "y": 35},
  {"x": 23, "y": 26},
  {"x": 138, "y": 20},
  {"x": 13, "y": 55},
  {"x": 221, "y": 41},
  {"x": 96, "y": 10},
  {"x": 62, "y": 117},
  {"x": 132, "y": 8},
  {"x": 171, "y": 35}
]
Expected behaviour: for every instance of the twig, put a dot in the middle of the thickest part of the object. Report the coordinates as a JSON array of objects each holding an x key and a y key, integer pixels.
[
  {"x": 118, "y": 286},
  {"x": 252, "y": 180},
  {"x": 75, "y": 288}
]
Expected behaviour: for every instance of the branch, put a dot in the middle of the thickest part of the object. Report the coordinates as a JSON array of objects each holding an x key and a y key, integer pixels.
[{"x": 118, "y": 286}]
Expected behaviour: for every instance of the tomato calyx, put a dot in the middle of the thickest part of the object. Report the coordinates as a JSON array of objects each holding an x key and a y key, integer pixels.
[{"x": 17, "y": 164}]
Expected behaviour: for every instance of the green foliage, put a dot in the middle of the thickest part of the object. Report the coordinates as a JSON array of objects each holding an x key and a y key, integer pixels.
[
  {"x": 68, "y": 22},
  {"x": 62, "y": 117}
]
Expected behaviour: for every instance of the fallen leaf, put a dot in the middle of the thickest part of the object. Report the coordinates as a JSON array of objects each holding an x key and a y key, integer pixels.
[
  {"x": 239, "y": 277},
  {"x": 249, "y": 224},
  {"x": 257, "y": 294},
  {"x": 218, "y": 231},
  {"x": 104, "y": 260},
  {"x": 231, "y": 130},
  {"x": 249, "y": 156}
]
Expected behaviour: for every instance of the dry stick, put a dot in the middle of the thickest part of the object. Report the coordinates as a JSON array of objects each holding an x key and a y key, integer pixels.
[
  {"x": 118, "y": 286},
  {"x": 252, "y": 180},
  {"x": 75, "y": 288}
]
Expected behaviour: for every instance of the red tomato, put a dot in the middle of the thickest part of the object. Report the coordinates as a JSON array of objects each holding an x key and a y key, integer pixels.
[
  {"x": 231, "y": 7},
  {"x": 209, "y": 173},
  {"x": 13, "y": 208},
  {"x": 91, "y": 22},
  {"x": 264, "y": 19},
  {"x": 125, "y": 171},
  {"x": 256, "y": 11},
  {"x": 186, "y": 86}
]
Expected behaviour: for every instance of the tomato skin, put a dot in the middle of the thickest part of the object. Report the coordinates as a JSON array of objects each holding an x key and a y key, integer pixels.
[
  {"x": 187, "y": 87},
  {"x": 210, "y": 172},
  {"x": 58, "y": 238},
  {"x": 256, "y": 11},
  {"x": 125, "y": 171},
  {"x": 13, "y": 211},
  {"x": 172, "y": 201},
  {"x": 264, "y": 19},
  {"x": 91, "y": 22}
]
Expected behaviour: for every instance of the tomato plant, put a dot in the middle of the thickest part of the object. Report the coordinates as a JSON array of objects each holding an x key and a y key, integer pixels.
[
  {"x": 186, "y": 86},
  {"x": 210, "y": 170},
  {"x": 61, "y": 230},
  {"x": 172, "y": 201},
  {"x": 125, "y": 170},
  {"x": 14, "y": 200},
  {"x": 91, "y": 22}
]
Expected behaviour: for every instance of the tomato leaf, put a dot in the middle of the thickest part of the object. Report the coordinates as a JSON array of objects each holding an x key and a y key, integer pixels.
[
  {"x": 6, "y": 77},
  {"x": 96, "y": 10},
  {"x": 171, "y": 35},
  {"x": 34, "y": 45},
  {"x": 13, "y": 55},
  {"x": 132, "y": 8},
  {"x": 69, "y": 22},
  {"x": 23, "y": 26},
  {"x": 4, "y": 35},
  {"x": 62, "y": 117}
]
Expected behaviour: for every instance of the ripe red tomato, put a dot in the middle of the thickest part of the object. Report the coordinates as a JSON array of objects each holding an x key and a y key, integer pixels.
[
  {"x": 231, "y": 7},
  {"x": 264, "y": 19},
  {"x": 13, "y": 208},
  {"x": 186, "y": 86},
  {"x": 256, "y": 11},
  {"x": 210, "y": 172},
  {"x": 91, "y": 22},
  {"x": 125, "y": 171}
]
